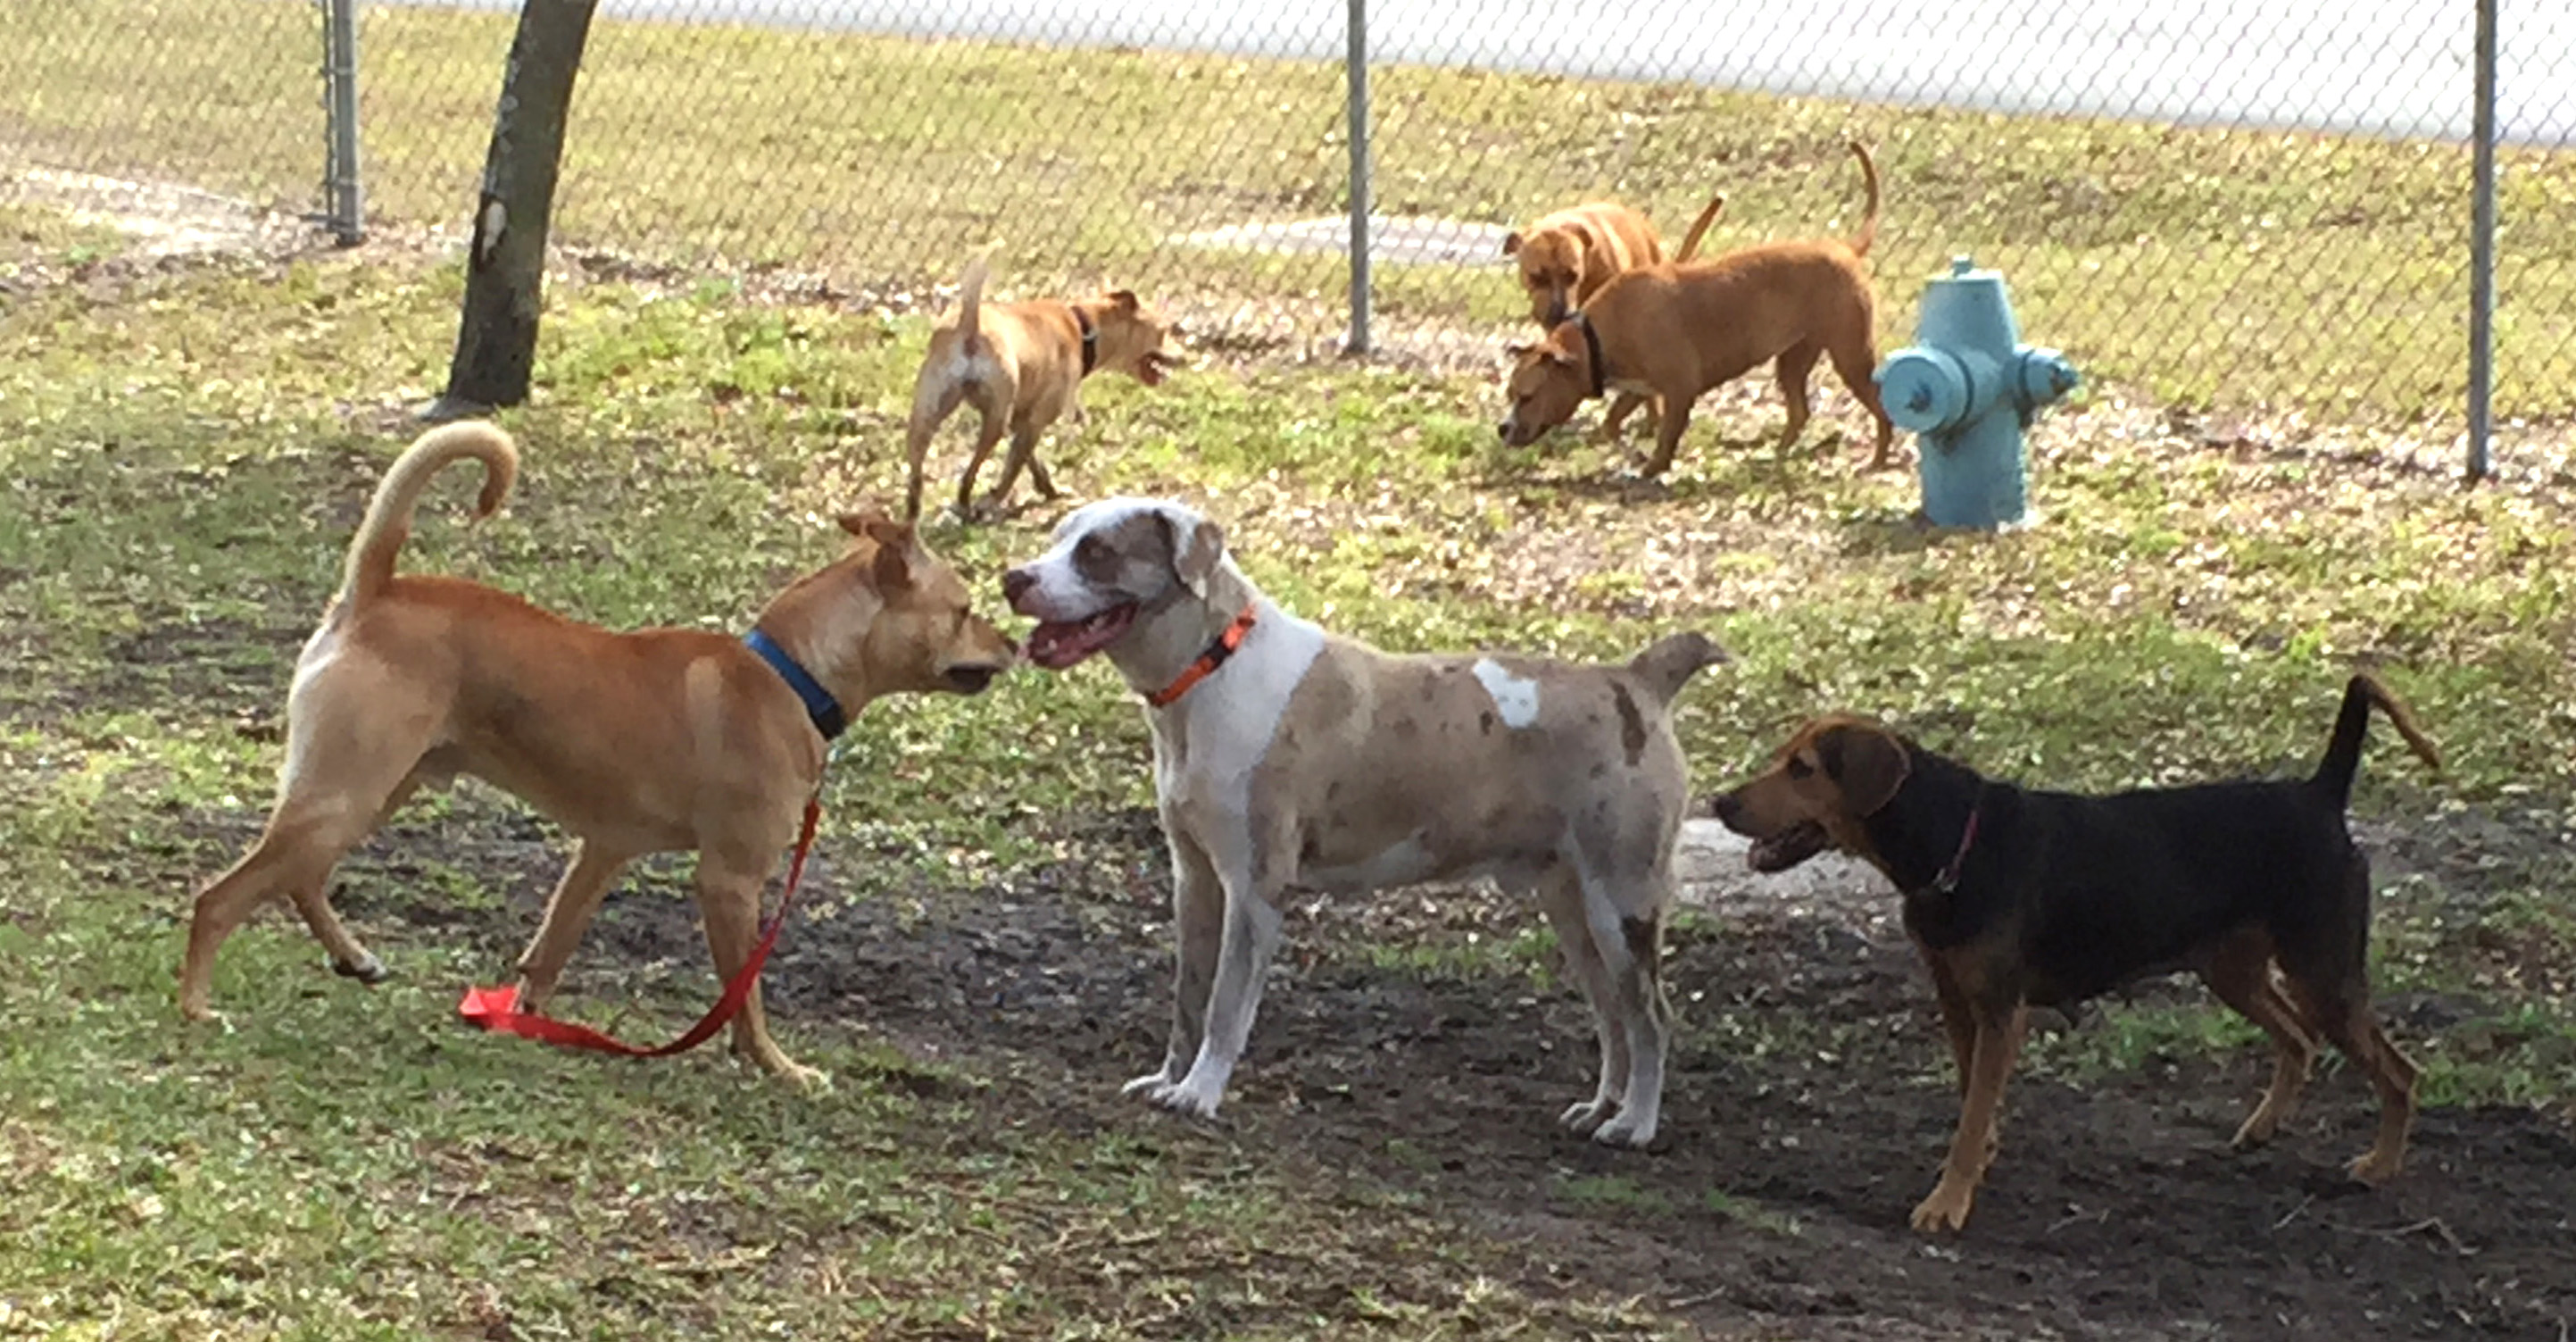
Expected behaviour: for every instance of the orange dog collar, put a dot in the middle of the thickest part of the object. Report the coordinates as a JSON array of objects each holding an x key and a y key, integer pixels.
[{"x": 1208, "y": 661}]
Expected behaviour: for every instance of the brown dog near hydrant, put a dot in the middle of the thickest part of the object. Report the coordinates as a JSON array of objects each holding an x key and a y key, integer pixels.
[
  {"x": 665, "y": 740},
  {"x": 1675, "y": 330},
  {"x": 1021, "y": 366}
]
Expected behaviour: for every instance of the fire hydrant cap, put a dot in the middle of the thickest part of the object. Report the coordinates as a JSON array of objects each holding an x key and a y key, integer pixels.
[
  {"x": 1925, "y": 390},
  {"x": 2046, "y": 375}
]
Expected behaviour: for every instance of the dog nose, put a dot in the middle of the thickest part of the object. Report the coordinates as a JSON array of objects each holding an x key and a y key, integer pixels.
[
  {"x": 1504, "y": 430},
  {"x": 1725, "y": 806},
  {"x": 1015, "y": 582}
]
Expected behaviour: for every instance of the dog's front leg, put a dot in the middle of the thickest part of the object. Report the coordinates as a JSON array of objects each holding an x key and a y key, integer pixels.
[
  {"x": 1249, "y": 935},
  {"x": 1198, "y": 926},
  {"x": 1998, "y": 1046}
]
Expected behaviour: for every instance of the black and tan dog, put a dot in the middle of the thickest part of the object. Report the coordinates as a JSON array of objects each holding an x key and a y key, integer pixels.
[{"x": 2021, "y": 898}]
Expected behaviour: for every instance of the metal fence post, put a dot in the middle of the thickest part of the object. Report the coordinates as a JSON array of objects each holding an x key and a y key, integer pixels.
[
  {"x": 2482, "y": 240},
  {"x": 343, "y": 210},
  {"x": 1356, "y": 62}
]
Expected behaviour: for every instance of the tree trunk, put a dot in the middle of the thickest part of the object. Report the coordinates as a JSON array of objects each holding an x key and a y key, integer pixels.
[{"x": 496, "y": 346}]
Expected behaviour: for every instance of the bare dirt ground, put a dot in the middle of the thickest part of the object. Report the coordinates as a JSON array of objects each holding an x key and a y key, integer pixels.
[{"x": 1806, "y": 1114}]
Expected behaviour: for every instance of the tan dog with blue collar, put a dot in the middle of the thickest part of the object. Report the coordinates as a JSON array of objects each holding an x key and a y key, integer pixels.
[
  {"x": 664, "y": 740},
  {"x": 1021, "y": 366},
  {"x": 1287, "y": 758}
]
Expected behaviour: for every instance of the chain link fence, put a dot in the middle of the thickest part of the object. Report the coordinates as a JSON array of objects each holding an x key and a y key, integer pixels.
[{"x": 2208, "y": 204}]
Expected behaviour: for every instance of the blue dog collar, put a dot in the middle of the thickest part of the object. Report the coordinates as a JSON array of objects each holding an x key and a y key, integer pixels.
[{"x": 819, "y": 703}]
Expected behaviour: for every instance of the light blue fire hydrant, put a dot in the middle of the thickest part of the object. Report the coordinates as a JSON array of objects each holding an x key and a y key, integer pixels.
[{"x": 1969, "y": 387}]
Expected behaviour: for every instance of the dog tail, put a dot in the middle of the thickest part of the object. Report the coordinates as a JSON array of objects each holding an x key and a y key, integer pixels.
[
  {"x": 1673, "y": 660},
  {"x": 2343, "y": 752},
  {"x": 970, "y": 298},
  {"x": 388, "y": 523},
  {"x": 1699, "y": 227},
  {"x": 1869, "y": 218}
]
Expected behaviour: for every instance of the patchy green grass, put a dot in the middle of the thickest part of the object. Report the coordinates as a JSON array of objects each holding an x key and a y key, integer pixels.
[
  {"x": 2239, "y": 268},
  {"x": 183, "y": 452}
]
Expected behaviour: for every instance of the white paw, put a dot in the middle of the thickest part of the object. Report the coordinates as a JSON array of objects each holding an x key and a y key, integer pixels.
[
  {"x": 1625, "y": 1130},
  {"x": 1581, "y": 1119},
  {"x": 1187, "y": 1098},
  {"x": 1148, "y": 1083}
]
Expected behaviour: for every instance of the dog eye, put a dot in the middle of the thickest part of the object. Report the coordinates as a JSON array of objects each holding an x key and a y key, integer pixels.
[
  {"x": 1799, "y": 768},
  {"x": 1089, "y": 549}
]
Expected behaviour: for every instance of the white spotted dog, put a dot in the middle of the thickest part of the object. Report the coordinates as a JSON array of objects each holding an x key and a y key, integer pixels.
[{"x": 1288, "y": 758}]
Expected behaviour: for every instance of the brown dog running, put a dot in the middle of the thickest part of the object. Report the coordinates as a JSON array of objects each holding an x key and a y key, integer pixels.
[
  {"x": 1021, "y": 366},
  {"x": 1675, "y": 330},
  {"x": 2021, "y": 898},
  {"x": 665, "y": 740}
]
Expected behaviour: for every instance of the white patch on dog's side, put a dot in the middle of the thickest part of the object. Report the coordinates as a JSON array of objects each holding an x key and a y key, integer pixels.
[{"x": 1514, "y": 697}]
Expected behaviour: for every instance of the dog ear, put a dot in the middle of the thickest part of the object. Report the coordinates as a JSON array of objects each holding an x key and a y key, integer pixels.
[
  {"x": 1194, "y": 553},
  {"x": 1512, "y": 244},
  {"x": 1867, "y": 763},
  {"x": 1518, "y": 351},
  {"x": 1124, "y": 298},
  {"x": 891, "y": 568}
]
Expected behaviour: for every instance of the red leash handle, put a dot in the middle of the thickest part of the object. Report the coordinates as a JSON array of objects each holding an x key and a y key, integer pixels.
[{"x": 498, "y": 1008}]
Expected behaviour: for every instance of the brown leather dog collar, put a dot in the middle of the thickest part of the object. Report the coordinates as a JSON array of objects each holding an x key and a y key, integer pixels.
[
  {"x": 1592, "y": 350},
  {"x": 1208, "y": 661},
  {"x": 1090, "y": 340}
]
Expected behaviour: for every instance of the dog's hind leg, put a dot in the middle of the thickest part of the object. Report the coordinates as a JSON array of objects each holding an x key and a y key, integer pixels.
[
  {"x": 326, "y": 806},
  {"x": 2329, "y": 977},
  {"x": 1023, "y": 455},
  {"x": 1560, "y": 893},
  {"x": 996, "y": 413},
  {"x": 1791, "y": 370},
  {"x": 569, "y": 909},
  {"x": 930, "y": 409},
  {"x": 1855, "y": 362},
  {"x": 1630, "y": 946},
  {"x": 2240, "y": 972}
]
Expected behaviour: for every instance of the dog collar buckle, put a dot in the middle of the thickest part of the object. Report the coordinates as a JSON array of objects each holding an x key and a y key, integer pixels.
[
  {"x": 820, "y": 706},
  {"x": 1592, "y": 350},
  {"x": 1090, "y": 339},
  {"x": 1208, "y": 661}
]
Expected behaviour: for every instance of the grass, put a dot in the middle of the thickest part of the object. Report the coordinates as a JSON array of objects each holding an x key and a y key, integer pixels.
[
  {"x": 2319, "y": 277},
  {"x": 183, "y": 451}
]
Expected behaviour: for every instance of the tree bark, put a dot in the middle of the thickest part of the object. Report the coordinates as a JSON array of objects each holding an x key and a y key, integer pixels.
[{"x": 496, "y": 345}]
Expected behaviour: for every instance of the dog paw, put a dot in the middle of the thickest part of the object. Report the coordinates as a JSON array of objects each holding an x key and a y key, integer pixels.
[
  {"x": 1583, "y": 1118},
  {"x": 2374, "y": 1167},
  {"x": 811, "y": 1080},
  {"x": 367, "y": 970},
  {"x": 2258, "y": 1129},
  {"x": 1946, "y": 1209},
  {"x": 1624, "y": 1130},
  {"x": 1147, "y": 1084},
  {"x": 1185, "y": 1099}
]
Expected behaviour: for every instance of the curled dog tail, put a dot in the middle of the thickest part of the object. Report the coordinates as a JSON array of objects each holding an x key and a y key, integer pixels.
[
  {"x": 388, "y": 522},
  {"x": 1672, "y": 661},
  {"x": 2343, "y": 752},
  {"x": 1699, "y": 227},
  {"x": 1869, "y": 218},
  {"x": 970, "y": 298}
]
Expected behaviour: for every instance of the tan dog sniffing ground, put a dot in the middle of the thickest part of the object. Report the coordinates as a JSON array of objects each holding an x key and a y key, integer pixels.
[
  {"x": 2020, "y": 898},
  {"x": 663, "y": 740},
  {"x": 1566, "y": 257},
  {"x": 1021, "y": 366},
  {"x": 1288, "y": 758},
  {"x": 1675, "y": 330}
]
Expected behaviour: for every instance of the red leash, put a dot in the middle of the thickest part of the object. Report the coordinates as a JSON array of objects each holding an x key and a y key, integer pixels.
[{"x": 498, "y": 1008}]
